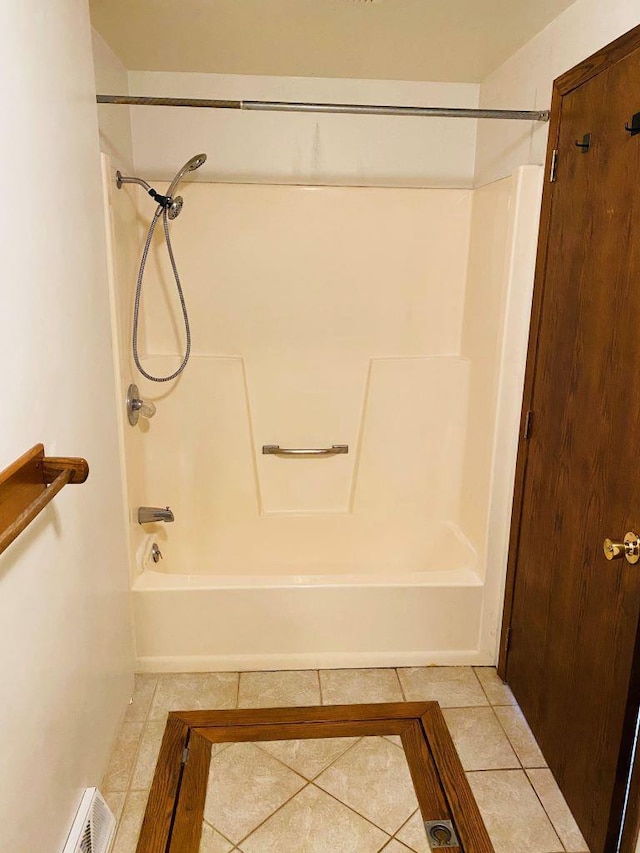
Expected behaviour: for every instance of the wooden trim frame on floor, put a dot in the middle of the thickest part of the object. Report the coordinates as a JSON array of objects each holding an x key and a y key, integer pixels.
[
  {"x": 562, "y": 86},
  {"x": 173, "y": 819}
]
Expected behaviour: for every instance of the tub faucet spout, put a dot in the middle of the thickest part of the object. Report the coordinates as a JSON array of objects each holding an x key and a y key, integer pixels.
[{"x": 152, "y": 514}]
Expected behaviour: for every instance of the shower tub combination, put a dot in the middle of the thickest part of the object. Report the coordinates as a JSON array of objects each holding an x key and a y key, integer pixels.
[{"x": 389, "y": 321}]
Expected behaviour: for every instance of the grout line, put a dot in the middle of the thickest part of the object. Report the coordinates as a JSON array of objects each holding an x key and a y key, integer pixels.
[
  {"x": 153, "y": 696},
  {"x": 532, "y": 786},
  {"x": 297, "y": 772},
  {"x": 354, "y": 810},
  {"x": 402, "y": 826},
  {"x": 506, "y": 733},
  {"x": 336, "y": 759},
  {"x": 351, "y": 808},
  {"x": 238, "y": 690},
  {"x": 279, "y": 760},
  {"x": 320, "y": 686},
  {"x": 280, "y": 807},
  {"x": 541, "y": 767},
  {"x": 549, "y": 818},
  {"x": 484, "y": 692},
  {"x": 145, "y": 723},
  {"x": 473, "y": 668},
  {"x": 215, "y": 829},
  {"x": 404, "y": 695},
  {"x": 313, "y": 784}
]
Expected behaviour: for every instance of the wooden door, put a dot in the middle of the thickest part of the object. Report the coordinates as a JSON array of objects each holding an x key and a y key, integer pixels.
[{"x": 573, "y": 616}]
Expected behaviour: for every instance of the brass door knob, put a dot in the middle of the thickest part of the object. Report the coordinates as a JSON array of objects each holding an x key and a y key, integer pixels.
[{"x": 629, "y": 548}]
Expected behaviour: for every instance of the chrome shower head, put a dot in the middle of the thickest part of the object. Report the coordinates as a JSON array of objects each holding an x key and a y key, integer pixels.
[
  {"x": 196, "y": 162},
  {"x": 190, "y": 166},
  {"x": 173, "y": 205}
]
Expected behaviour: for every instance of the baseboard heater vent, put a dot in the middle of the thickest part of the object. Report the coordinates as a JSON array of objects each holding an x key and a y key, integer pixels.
[{"x": 94, "y": 825}]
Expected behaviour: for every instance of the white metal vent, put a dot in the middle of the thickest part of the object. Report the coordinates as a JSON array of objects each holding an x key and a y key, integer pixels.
[{"x": 94, "y": 825}]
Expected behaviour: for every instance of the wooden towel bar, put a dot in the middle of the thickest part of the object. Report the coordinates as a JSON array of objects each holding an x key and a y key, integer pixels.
[{"x": 28, "y": 485}]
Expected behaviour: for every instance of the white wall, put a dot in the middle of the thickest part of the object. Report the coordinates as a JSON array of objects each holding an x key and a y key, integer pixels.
[
  {"x": 114, "y": 122},
  {"x": 260, "y": 147},
  {"x": 65, "y": 651},
  {"x": 525, "y": 81}
]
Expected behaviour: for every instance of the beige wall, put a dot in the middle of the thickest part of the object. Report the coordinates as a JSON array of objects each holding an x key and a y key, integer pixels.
[
  {"x": 261, "y": 147},
  {"x": 114, "y": 122},
  {"x": 65, "y": 650},
  {"x": 525, "y": 80}
]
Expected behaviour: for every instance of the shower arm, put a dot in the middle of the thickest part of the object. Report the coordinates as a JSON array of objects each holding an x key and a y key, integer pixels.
[
  {"x": 124, "y": 179},
  {"x": 162, "y": 200}
]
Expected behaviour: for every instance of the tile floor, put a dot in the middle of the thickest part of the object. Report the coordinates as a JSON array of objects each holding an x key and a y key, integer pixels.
[
  {"x": 306, "y": 803},
  {"x": 337, "y": 794}
]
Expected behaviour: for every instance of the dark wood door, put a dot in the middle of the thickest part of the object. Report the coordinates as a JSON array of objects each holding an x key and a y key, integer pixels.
[{"x": 574, "y": 618}]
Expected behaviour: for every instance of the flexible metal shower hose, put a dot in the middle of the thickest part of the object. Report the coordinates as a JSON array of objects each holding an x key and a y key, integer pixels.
[{"x": 136, "y": 308}]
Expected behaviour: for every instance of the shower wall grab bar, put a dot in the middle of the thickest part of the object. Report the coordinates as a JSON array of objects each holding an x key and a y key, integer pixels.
[
  {"x": 352, "y": 109},
  {"x": 276, "y": 450},
  {"x": 29, "y": 484}
]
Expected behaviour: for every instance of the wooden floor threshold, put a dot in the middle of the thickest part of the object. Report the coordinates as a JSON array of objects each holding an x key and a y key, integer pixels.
[{"x": 173, "y": 819}]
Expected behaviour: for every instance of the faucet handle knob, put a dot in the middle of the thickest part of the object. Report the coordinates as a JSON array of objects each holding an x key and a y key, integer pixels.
[
  {"x": 136, "y": 406},
  {"x": 146, "y": 409}
]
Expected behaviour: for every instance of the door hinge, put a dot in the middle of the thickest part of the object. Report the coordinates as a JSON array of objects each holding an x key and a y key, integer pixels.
[
  {"x": 185, "y": 755},
  {"x": 527, "y": 424},
  {"x": 507, "y": 640},
  {"x": 554, "y": 165}
]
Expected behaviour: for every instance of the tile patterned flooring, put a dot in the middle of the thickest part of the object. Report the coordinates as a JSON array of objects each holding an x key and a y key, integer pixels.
[{"x": 301, "y": 799}]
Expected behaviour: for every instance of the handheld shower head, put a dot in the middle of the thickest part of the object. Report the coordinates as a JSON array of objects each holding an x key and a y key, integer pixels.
[
  {"x": 190, "y": 166},
  {"x": 173, "y": 205}
]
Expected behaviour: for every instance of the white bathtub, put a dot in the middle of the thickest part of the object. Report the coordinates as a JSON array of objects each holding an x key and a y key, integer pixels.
[
  {"x": 204, "y": 622},
  {"x": 358, "y": 559}
]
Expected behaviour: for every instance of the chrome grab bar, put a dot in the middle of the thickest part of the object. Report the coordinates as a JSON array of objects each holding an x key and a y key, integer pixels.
[{"x": 276, "y": 450}]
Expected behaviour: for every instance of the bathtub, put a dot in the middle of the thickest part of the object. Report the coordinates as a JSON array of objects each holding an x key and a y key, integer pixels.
[
  {"x": 359, "y": 618},
  {"x": 393, "y": 554}
]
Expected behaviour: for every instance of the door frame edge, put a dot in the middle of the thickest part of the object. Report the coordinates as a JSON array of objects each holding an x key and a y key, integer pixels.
[{"x": 529, "y": 378}]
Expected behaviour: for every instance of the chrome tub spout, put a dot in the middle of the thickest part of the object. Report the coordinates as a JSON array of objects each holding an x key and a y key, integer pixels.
[{"x": 152, "y": 514}]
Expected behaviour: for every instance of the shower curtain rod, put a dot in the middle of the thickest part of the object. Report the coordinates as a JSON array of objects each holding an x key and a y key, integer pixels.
[{"x": 355, "y": 109}]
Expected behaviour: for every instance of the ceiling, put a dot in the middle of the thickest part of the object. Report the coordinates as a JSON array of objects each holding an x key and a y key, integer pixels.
[{"x": 453, "y": 40}]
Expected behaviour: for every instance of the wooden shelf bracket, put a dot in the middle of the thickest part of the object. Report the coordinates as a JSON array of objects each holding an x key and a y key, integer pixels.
[{"x": 29, "y": 484}]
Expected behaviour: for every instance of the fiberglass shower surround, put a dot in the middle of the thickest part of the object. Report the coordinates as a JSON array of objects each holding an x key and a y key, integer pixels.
[
  {"x": 169, "y": 207},
  {"x": 309, "y": 334},
  {"x": 309, "y": 340}
]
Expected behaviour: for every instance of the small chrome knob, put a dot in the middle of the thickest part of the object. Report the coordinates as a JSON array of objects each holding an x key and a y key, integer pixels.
[
  {"x": 629, "y": 548},
  {"x": 136, "y": 406}
]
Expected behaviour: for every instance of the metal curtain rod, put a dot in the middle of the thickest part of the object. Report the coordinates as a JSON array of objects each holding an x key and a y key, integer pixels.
[{"x": 356, "y": 109}]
